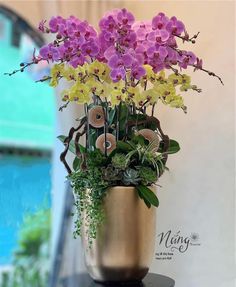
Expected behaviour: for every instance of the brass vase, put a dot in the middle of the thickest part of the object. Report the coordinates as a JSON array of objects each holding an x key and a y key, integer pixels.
[{"x": 124, "y": 247}]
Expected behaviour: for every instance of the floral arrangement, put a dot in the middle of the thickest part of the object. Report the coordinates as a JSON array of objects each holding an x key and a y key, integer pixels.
[{"x": 119, "y": 74}]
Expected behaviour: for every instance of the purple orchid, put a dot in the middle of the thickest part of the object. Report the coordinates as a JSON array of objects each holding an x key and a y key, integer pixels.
[
  {"x": 90, "y": 48},
  {"x": 123, "y": 43},
  {"x": 117, "y": 74},
  {"x": 187, "y": 59},
  {"x": 123, "y": 61},
  {"x": 125, "y": 18},
  {"x": 175, "y": 26},
  {"x": 160, "y": 21},
  {"x": 138, "y": 72}
]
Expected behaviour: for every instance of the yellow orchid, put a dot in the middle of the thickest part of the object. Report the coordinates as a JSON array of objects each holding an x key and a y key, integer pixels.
[
  {"x": 161, "y": 76},
  {"x": 150, "y": 76},
  {"x": 139, "y": 99},
  {"x": 79, "y": 93},
  {"x": 174, "y": 79},
  {"x": 95, "y": 87},
  {"x": 100, "y": 70},
  {"x": 116, "y": 96},
  {"x": 186, "y": 83},
  {"x": 81, "y": 72},
  {"x": 165, "y": 89},
  {"x": 132, "y": 92},
  {"x": 150, "y": 95},
  {"x": 175, "y": 102},
  {"x": 55, "y": 74},
  {"x": 69, "y": 73}
]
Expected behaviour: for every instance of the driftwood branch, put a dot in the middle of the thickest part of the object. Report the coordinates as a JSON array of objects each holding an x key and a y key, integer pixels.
[{"x": 67, "y": 144}]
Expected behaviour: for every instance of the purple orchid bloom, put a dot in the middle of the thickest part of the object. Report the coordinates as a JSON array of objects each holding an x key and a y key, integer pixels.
[
  {"x": 125, "y": 18},
  {"x": 175, "y": 26},
  {"x": 160, "y": 21},
  {"x": 138, "y": 72},
  {"x": 49, "y": 52},
  {"x": 123, "y": 61},
  {"x": 117, "y": 74},
  {"x": 186, "y": 59},
  {"x": 90, "y": 48},
  {"x": 157, "y": 52},
  {"x": 108, "y": 24},
  {"x": 124, "y": 44},
  {"x": 158, "y": 36}
]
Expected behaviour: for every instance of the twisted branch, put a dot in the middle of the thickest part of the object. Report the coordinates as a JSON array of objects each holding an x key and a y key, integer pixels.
[{"x": 67, "y": 144}]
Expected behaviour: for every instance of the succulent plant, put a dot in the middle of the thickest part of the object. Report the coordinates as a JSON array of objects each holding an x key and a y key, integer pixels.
[
  {"x": 148, "y": 175},
  {"x": 119, "y": 161},
  {"x": 111, "y": 174},
  {"x": 131, "y": 177}
]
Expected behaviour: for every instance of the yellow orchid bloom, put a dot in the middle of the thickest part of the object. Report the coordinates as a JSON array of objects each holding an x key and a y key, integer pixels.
[
  {"x": 132, "y": 92},
  {"x": 116, "y": 96},
  {"x": 150, "y": 95},
  {"x": 95, "y": 87},
  {"x": 174, "y": 79},
  {"x": 100, "y": 70},
  {"x": 161, "y": 76},
  {"x": 55, "y": 74},
  {"x": 186, "y": 83},
  {"x": 165, "y": 89},
  {"x": 79, "y": 93}
]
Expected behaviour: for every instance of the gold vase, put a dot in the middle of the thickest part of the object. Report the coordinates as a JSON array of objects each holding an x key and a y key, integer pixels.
[{"x": 124, "y": 246}]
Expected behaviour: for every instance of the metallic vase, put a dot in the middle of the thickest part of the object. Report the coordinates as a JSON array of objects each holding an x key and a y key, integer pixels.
[{"x": 125, "y": 242}]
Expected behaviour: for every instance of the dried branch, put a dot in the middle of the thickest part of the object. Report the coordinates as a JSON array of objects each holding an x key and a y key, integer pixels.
[
  {"x": 44, "y": 79},
  {"x": 186, "y": 38},
  {"x": 209, "y": 73},
  {"x": 67, "y": 144},
  {"x": 63, "y": 106}
]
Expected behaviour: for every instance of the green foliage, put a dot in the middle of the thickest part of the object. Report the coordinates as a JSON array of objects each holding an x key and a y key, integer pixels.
[
  {"x": 31, "y": 259},
  {"x": 111, "y": 174},
  {"x": 173, "y": 147},
  {"x": 134, "y": 162},
  {"x": 147, "y": 175},
  {"x": 95, "y": 158},
  {"x": 147, "y": 195},
  {"x": 89, "y": 189},
  {"x": 119, "y": 161},
  {"x": 123, "y": 147},
  {"x": 71, "y": 145}
]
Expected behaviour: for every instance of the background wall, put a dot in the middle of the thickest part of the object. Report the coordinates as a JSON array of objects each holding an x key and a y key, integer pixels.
[{"x": 197, "y": 195}]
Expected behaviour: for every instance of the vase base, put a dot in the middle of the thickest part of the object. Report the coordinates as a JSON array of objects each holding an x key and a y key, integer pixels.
[
  {"x": 120, "y": 283},
  {"x": 118, "y": 276}
]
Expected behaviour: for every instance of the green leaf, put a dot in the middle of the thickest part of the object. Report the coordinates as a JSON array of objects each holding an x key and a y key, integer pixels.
[
  {"x": 146, "y": 202},
  {"x": 123, "y": 146},
  {"x": 147, "y": 195},
  {"x": 173, "y": 147},
  {"x": 72, "y": 145},
  {"x": 123, "y": 114},
  {"x": 139, "y": 139},
  {"x": 111, "y": 116},
  {"x": 76, "y": 163}
]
